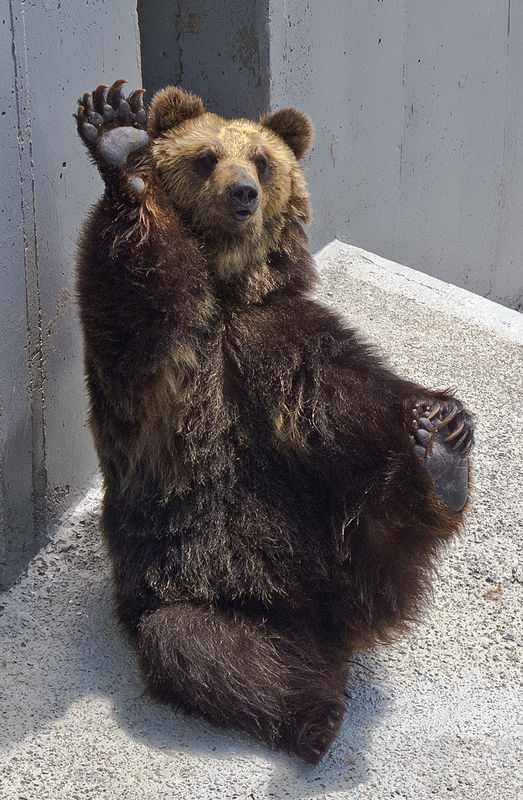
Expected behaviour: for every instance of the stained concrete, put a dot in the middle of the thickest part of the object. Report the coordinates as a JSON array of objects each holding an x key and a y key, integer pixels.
[
  {"x": 438, "y": 714},
  {"x": 218, "y": 50}
]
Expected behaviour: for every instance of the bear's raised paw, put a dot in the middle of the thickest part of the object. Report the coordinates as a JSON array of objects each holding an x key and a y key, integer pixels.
[
  {"x": 112, "y": 125},
  {"x": 443, "y": 434}
]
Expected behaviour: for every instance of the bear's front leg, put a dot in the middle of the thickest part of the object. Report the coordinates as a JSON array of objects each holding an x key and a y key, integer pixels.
[
  {"x": 141, "y": 276},
  {"x": 112, "y": 127},
  {"x": 442, "y": 433}
]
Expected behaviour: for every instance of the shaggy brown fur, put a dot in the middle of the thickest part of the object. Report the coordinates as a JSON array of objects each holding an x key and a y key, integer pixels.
[{"x": 265, "y": 509}]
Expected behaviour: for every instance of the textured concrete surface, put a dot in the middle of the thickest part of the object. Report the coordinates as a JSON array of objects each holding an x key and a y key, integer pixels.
[
  {"x": 50, "y": 53},
  {"x": 438, "y": 714}
]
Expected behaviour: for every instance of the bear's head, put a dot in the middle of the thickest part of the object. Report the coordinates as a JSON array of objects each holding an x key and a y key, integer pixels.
[{"x": 235, "y": 183}]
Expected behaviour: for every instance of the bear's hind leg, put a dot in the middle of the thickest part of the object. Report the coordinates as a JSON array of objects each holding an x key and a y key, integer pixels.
[
  {"x": 393, "y": 540},
  {"x": 269, "y": 680}
]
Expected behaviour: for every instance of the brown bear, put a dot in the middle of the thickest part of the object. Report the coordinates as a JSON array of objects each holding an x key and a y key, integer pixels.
[{"x": 275, "y": 497}]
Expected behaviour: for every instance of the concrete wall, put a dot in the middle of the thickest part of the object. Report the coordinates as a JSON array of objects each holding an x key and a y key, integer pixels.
[
  {"x": 218, "y": 50},
  {"x": 418, "y": 109},
  {"x": 50, "y": 52},
  {"x": 419, "y": 114}
]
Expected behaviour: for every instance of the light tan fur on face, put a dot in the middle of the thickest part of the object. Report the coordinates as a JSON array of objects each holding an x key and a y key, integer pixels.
[{"x": 232, "y": 246}]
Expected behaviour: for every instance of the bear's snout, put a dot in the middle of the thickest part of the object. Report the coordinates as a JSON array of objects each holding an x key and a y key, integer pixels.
[{"x": 244, "y": 199}]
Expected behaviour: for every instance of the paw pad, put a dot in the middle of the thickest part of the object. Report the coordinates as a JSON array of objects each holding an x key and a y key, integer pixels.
[
  {"x": 112, "y": 125},
  {"x": 316, "y": 728},
  {"x": 442, "y": 433}
]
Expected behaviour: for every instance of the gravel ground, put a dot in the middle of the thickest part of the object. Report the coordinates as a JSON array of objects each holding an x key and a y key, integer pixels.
[{"x": 436, "y": 715}]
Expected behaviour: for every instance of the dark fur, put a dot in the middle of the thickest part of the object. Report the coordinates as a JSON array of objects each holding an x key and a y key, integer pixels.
[{"x": 264, "y": 509}]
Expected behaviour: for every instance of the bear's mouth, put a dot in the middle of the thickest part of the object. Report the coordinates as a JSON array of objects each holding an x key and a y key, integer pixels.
[{"x": 242, "y": 213}]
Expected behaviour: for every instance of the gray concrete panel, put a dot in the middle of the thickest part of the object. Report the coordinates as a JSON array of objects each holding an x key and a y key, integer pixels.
[
  {"x": 330, "y": 59},
  {"x": 453, "y": 141},
  {"x": 506, "y": 278},
  {"x": 159, "y": 43},
  {"x": 217, "y": 50},
  {"x": 52, "y": 51},
  {"x": 16, "y": 504},
  {"x": 418, "y": 109}
]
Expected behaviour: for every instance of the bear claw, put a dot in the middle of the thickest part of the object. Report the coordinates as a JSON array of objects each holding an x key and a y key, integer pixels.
[
  {"x": 443, "y": 435},
  {"x": 135, "y": 101},
  {"x": 115, "y": 94}
]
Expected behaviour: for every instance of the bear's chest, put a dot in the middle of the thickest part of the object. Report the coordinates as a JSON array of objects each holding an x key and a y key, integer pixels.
[{"x": 188, "y": 423}]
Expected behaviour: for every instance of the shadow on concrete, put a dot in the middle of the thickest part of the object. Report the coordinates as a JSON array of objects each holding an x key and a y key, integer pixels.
[{"x": 64, "y": 654}]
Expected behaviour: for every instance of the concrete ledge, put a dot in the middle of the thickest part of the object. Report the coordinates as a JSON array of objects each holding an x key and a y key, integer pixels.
[
  {"x": 436, "y": 715},
  {"x": 398, "y": 279}
]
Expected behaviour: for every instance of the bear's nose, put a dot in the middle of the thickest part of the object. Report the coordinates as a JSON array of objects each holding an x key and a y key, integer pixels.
[{"x": 244, "y": 195}]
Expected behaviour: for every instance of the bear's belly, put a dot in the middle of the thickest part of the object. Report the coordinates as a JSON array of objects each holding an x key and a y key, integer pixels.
[
  {"x": 205, "y": 508},
  {"x": 260, "y": 540}
]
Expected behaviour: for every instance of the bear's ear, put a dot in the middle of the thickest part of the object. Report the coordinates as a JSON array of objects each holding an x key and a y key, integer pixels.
[
  {"x": 170, "y": 107},
  {"x": 291, "y": 125}
]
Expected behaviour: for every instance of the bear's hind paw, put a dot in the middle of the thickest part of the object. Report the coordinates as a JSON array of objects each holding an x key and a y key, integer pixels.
[
  {"x": 443, "y": 435},
  {"x": 315, "y": 728}
]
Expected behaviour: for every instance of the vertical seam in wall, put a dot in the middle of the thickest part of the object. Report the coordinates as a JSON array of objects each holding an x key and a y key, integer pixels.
[
  {"x": 138, "y": 42},
  {"x": 178, "y": 29},
  {"x": 264, "y": 52},
  {"x": 3, "y": 493},
  {"x": 281, "y": 10},
  {"x": 32, "y": 287},
  {"x": 501, "y": 222},
  {"x": 396, "y": 254}
]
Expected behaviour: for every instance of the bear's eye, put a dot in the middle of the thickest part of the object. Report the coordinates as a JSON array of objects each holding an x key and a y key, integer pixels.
[
  {"x": 205, "y": 164},
  {"x": 262, "y": 164}
]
